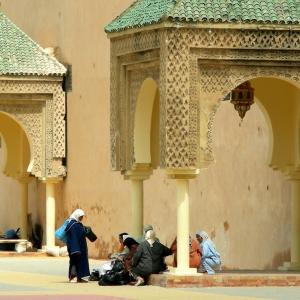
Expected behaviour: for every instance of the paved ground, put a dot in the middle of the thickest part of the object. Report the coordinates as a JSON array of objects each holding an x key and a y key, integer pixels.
[{"x": 44, "y": 278}]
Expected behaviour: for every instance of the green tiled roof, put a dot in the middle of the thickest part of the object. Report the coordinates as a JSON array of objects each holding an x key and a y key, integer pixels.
[
  {"x": 145, "y": 12},
  {"x": 20, "y": 55}
]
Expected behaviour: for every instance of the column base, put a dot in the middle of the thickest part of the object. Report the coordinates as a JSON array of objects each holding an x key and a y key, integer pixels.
[
  {"x": 290, "y": 266},
  {"x": 183, "y": 271},
  {"x": 51, "y": 250}
]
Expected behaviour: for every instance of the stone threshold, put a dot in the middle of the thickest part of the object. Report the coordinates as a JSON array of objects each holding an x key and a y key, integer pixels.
[{"x": 234, "y": 279}]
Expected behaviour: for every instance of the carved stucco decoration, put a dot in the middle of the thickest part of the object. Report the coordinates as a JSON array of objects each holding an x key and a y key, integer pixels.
[
  {"x": 39, "y": 106},
  {"x": 197, "y": 69}
]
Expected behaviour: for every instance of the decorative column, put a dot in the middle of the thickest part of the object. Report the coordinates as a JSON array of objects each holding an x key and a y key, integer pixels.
[
  {"x": 295, "y": 224},
  {"x": 50, "y": 211},
  {"x": 24, "y": 181},
  {"x": 182, "y": 177},
  {"x": 294, "y": 264},
  {"x": 137, "y": 176}
]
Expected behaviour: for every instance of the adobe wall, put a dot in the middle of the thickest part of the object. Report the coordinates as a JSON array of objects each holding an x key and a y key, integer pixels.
[{"x": 240, "y": 201}]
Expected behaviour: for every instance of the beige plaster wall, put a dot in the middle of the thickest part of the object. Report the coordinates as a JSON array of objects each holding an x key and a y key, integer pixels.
[
  {"x": 241, "y": 202},
  {"x": 10, "y": 193},
  {"x": 239, "y": 199}
]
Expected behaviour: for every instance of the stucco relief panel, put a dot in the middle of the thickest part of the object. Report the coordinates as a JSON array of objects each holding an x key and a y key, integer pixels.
[
  {"x": 42, "y": 120},
  {"x": 243, "y": 39},
  {"x": 133, "y": 59},
  {"x": 30, "y": 117},
  {"x": 190, "y": 92},
  {"x": 180, "y": 107},
  {"x": 216, "y": 81}
]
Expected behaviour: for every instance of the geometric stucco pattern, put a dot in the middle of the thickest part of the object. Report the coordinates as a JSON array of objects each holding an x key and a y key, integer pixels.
[
  {"x": 197, "y": 67},
  {"x": 177, "y": 101},
  {"x": 216, "y": 80},
  {"x": 212, "y": 92},
  {"x": 39, "y": 105},
  {"x": 128, "y": 71}
]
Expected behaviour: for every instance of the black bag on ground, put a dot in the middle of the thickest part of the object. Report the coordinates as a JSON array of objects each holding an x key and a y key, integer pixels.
[
  {"x": 94, "y": 276},
  {"x": 90, "y": 234},
  {"x": 116, "y": 276}
]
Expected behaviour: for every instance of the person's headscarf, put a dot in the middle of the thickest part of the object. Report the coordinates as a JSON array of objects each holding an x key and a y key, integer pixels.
[
  {"x": 203, "y": 234},
  {"x": 150, "y": 237},
  {"x": 128, "y": 241},
  {"x": 147, "y": 227},
  {"x": 125, "y": 236},
  {"x": 122, "y": 234},
  {"x": 77, "y": 214},
  {"x": 205, "y": 237}
]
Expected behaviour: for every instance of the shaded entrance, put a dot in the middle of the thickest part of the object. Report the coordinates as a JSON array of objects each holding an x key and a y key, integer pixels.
[{"x": 16, "y": 160}]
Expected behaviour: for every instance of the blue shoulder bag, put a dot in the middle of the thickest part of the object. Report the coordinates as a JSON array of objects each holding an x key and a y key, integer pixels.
[{"x": 61, "y": 233}]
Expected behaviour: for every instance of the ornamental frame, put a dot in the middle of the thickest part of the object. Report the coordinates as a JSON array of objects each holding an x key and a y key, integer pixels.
[
  {"x": 38, "y": 104},
  {"x": 195, "y": 68}
]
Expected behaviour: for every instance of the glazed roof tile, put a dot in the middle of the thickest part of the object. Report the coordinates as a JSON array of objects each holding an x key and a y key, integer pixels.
[
  {"x": 20, "y": 55},
  {"x": 144, "y": 12}
]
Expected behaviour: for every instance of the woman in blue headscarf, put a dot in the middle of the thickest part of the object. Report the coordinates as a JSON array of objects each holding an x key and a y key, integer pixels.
[
  {"x": 77, "y": 248},
  {"x": 210, "y": 259}
]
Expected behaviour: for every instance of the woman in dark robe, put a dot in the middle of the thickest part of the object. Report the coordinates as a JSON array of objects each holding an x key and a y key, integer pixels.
[
  {"x": 77, "y": 248},
  {"x": 131, "y": 244},
  {"x": 149, "y": 258}
]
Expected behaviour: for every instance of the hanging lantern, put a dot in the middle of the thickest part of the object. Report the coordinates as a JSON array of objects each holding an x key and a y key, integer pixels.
[{"x": 242, "y": 97}]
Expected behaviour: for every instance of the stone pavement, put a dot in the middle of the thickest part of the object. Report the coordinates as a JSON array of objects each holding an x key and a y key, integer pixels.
[
  {"x": 228, "y": 279},
  {"x": 44, "y": 278}
]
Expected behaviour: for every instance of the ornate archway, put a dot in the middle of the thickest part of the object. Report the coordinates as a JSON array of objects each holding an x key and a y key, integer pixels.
[
  {"x": 198, "y": 57},
  {"x": 31, "y": 93}
]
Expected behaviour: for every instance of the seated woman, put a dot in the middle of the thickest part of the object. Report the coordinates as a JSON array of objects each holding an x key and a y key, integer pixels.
[
  {"x": 106, "y": 266},
  {"x": 147, "y": 227},
  {"x": 149, "y": 258},
  {"x": 195, "y": 257},
  {"x": 210, "y": 260},
  {"x": 131, "y": 244},
  {"x": 122, "y": 249}
]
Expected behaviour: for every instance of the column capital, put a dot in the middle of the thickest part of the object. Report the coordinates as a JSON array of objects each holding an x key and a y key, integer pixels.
[
  {"x": 182, "y": 173},
  {"x": 138, "y": 172},
  {"x": 51, "y": 179}
]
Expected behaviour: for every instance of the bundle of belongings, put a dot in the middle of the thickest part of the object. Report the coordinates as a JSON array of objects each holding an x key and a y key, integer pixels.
[
  {"x": 10, "y": 234},
  {"x": 111, "y": 273}
]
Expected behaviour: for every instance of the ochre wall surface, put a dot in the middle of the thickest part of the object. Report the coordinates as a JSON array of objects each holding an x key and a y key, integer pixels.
[
  {"x": 241, "y": 202},
  {"x": 10, "y": 197}
]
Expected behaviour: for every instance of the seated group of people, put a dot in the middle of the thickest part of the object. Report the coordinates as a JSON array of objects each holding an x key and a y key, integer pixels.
[
  {"x": 136, "y": 260},
  {"x": 148, "y": 257}
]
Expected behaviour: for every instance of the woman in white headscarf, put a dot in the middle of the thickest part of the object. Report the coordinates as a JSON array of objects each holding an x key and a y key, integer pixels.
[
  {"x": 149, "y": 258},
  {"x": 77, "y": 247},
  {"x": 210, "y": 260}
]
